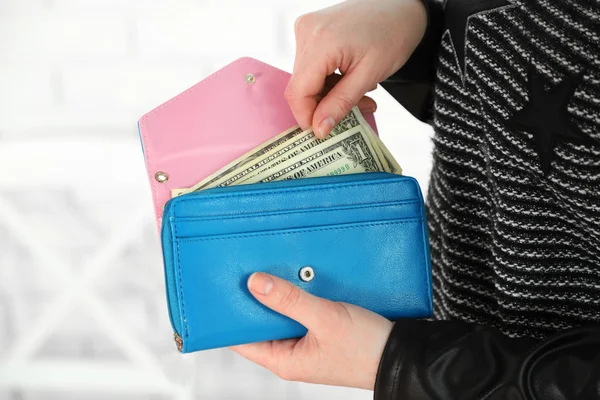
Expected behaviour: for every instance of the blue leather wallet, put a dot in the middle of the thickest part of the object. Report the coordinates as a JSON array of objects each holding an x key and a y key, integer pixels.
[{"x": 360, "y": 238}]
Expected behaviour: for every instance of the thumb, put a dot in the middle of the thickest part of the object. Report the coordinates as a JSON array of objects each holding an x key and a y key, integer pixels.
[
  {"x": 289, "y": 300},
  {"x": 340, "y": 100}
]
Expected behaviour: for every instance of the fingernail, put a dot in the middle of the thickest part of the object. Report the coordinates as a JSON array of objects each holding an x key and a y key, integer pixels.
[
  {"x": 260, "y": 283},
  {"x": 325, "y": 126}
]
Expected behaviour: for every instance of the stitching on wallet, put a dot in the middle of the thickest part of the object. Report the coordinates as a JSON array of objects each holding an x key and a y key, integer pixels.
[
  {"x": 294, "y": 231},
  {"x": 287, "y": 212},
  {"x": 185, "y": 326},
  {"x": 295, "y": 190},
  {"x": 149, "y": 163}
]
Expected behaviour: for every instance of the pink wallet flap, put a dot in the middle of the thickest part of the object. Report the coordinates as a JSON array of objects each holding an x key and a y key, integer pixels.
[{"x": 212, "y": 123}]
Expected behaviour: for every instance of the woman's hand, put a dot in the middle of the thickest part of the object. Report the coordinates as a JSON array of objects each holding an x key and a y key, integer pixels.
[
  {"x": 367, "y": 40},
  {"x": 343, "y": 345}
]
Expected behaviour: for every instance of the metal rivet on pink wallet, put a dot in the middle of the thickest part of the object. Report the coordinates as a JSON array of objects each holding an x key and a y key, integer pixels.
[
  {"x": 249, "y": 78},
  {"x": 161, "y": 177}
]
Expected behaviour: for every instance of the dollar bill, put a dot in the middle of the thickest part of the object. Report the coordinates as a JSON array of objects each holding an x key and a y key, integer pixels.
[
  {"x": 304, "y": 143},
  {"x": 253, "y": 156},
  {"x": 179, "y": 192},
  {"x": 283, "y": 147},
  {"x": 391, "y": 162},
  {"x": 297, "y": 144},
  {"x": 348, "y": 153},
  {"x": 280, "y": 147},
  {"x": 376, "y": 142}
]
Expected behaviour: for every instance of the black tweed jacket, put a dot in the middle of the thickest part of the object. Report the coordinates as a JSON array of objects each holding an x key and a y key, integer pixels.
[{"x": 512, "y": 89}]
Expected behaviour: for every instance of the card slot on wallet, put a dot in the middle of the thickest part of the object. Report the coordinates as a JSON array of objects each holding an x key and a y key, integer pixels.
[
  {"x": 267, "y": 221},
  {"x": 324, "y": 192}
]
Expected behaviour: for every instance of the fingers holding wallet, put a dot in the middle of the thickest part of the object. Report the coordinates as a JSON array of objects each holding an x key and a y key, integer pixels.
[
  {"x": 343, "y": 345},
  {"x": 287, "y": 299}
]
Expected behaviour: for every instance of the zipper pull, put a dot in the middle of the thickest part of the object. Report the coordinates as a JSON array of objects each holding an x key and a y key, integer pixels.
[{"x": 178, "y": 342}]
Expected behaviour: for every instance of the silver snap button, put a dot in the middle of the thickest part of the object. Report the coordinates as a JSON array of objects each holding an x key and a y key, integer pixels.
[
  {"x": 307, "y": 274},
  {"x": 249, "y": 78},
  {"x": 161, "y": 177}
]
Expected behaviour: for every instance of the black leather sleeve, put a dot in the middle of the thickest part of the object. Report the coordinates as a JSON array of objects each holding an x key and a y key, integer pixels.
[
  {"x": 412, "y": 85},
  {"x": 440, "y": 360}
]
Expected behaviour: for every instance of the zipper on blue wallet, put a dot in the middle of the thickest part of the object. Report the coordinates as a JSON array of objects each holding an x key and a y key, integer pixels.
[{"x": 171, "y": 281}]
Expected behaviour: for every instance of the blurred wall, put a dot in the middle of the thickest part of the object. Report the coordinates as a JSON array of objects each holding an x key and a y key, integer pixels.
[{"x": 82, "y": 305}]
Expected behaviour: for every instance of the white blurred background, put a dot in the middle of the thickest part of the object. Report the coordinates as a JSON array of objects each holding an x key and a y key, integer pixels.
[{"x": 82, "y": 304}]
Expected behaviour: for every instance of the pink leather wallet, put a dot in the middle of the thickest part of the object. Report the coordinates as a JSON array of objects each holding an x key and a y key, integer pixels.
[{"x": 212, "y": 123}]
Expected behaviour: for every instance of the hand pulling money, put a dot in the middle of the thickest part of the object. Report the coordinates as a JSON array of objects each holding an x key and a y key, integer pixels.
[{"x": 352, "y": 147}]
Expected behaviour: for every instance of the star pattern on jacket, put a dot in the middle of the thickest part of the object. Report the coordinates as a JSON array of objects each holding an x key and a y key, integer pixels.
[{"x": 546, "y": 115}]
